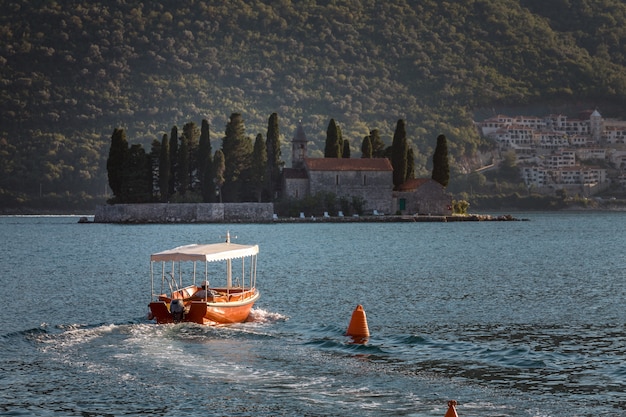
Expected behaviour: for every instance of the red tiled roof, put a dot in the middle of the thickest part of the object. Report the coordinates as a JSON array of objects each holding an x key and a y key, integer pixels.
[{"x": 348, "y": 164}]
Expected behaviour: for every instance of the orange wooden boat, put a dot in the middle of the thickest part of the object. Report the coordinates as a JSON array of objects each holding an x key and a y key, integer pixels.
[{"x": 182, "y": 293}]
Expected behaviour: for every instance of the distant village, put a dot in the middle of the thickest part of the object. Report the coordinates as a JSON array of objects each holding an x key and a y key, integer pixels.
[{"x": 582, "y": 156}]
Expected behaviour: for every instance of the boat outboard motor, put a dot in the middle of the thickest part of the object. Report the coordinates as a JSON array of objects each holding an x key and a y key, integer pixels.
[{"x": 177, "y": 310}]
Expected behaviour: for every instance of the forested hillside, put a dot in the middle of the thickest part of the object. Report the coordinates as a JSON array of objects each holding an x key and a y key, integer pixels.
[{"x": 72, "y": 71}]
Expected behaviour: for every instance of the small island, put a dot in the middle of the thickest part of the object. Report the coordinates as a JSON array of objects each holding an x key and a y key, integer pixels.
[{"x": 255, "y": 213}]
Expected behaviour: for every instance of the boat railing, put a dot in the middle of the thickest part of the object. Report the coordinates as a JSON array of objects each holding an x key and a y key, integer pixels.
[{"x": 171, "y": 282}]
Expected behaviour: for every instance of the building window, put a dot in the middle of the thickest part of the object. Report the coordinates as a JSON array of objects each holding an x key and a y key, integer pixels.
[
  {"x": 402, "y": 204},
  {"x": 337, "y": 179},
  {"x": 364, "y": 179}
]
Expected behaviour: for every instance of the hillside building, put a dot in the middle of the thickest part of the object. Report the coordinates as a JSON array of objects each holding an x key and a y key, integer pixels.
[{"x": 554, "y": 151}]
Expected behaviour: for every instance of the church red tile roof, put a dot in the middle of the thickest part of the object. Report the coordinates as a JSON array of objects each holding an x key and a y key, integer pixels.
[{"x": 348, "y": 164}]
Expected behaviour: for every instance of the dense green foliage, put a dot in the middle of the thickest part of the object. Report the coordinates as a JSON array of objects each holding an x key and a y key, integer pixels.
[
  {"x": 118, "y": 153},
  {"x": 259, "y": 168},
  {"x": 205, "y": 164},
  {"x": 410, "y": 164},
  {"x": 73, "y": 71},
  {"x": 441, "y": 167},
  {"x": 334, "y": 146},
  {"x": 274, "y": 157},
  {"x": 378, "y": 146},
  {"x": 237, "y": 149},
  {"x": 219, "y": 166},
  {"x": 164, "y": 169},
  {"x": 399, "y": 153},
  {"x": 366, "y": 147},
  {"x": 345, "y": 151}
]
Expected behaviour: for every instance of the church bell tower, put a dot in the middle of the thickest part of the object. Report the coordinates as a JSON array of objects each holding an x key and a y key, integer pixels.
[{"x": 298, "y": 147}]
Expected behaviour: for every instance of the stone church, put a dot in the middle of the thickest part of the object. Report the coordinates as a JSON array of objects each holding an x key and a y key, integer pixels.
[{"x": 370, "y": 179}]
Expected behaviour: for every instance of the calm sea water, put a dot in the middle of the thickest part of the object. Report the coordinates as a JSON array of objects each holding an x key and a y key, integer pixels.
[{"x": 519, "y": 319}]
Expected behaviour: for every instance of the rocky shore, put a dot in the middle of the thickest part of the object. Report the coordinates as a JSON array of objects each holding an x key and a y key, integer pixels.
[
  {"x": 398, "y": 219},
  {"x": 252, "y": 213}
]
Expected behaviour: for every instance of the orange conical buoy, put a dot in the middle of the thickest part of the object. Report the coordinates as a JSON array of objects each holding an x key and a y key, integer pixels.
[
  {"x": 451, "y": 410},
  {"x": 358, "y": 324}
]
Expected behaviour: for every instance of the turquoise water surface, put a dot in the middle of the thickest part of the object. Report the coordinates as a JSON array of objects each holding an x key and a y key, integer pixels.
[{"x": 512, "y": 319}]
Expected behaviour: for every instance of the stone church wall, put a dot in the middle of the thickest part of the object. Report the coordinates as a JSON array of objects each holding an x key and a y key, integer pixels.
[
  {"x": 372, "y": 186},
  {"x": 184, "y": 213}
]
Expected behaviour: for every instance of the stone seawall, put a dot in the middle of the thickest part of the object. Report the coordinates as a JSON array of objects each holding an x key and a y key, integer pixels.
[{"x": 185, "y": 213}]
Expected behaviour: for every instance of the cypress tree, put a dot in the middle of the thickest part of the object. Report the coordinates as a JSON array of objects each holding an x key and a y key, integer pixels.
[
  {"x": 274, "y": 163},
  {"x": 118, "y": 152},
  {"x": 333, "y": 146},
  {"x": 204, "y": 149},
  {"x": 399, "y": 150},
  {"x": 173, "y": 160},
  {"x": 441, "y": 167},
  {"x": 346, "y": 149},
  {"x": 137, "y": 184},
  {"x": 410, "y": 164},
  {"x": 155, "y": 162},
  {"x": 366, "y": 147},
  {"x": 204, "y": 163},
  {"x": 219, "y": 166},
  {"x": 339, "y": 141},
  {"x": 164, "y": 169},
  {"x": 237, "y": 149},
  {"x": 191, "y": 133},
  {"x": 259, "y": 167},
  {"x": 184, "y": 183},
  {"x": 378, "y": 146}
]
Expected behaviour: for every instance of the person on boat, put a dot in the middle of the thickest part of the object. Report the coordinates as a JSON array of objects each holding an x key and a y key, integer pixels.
[{"x": 204, "y": 292}]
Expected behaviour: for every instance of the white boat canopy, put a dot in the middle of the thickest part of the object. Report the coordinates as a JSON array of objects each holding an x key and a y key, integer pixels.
[{"x": 206, "y": 253}]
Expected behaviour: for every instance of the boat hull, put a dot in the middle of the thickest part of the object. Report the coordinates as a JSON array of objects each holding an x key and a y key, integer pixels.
[{"x": 206, "y": 312}]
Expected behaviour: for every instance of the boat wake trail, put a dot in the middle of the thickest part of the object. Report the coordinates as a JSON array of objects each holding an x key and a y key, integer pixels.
[{"x": 261, "y": 316}]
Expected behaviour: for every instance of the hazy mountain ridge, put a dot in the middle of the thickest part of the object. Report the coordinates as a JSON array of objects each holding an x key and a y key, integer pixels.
[{"x": 73, "y": 71}]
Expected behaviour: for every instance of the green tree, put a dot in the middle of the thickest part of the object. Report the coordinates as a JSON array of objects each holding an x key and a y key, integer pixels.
[
  {"x": 508, "y": 169},
  {"x": 205, "y": 160},
  {"x": 155, "y": 161},
  {"x": 190, "y": 135},
  {"x": 378, "y": 146},
  {"x": 346, "y": 149},
  {"x": 237, "y": 149},
  {"x": 274, "y": 162},
  {"x": 184, "y": 183},
  {"x": 137, "y": 183},
  {"x": 460, "y": 207},
  {"x": 441, "y": 167},
  {"x": 476, "y": 181},
  {"x": 366, "y": 147},
  {"x": 410, "y": 164},
  {"x": 333, "y": 145},
  {"x": 259, "y": 167},
  {"x": 340, "y": 138},
  {"x": 219, "y": 167},
  {"x": 118, "y": 153},
  {"x": 173, "y": 160},
  {"x": 164, "y": 169},
  {"x": 399, "y": 151}
]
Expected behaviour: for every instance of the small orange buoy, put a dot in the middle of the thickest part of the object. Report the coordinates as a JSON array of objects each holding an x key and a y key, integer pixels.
[
  {"x": 451, "y": 410},
  {"x": 358, "y": 324}
]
